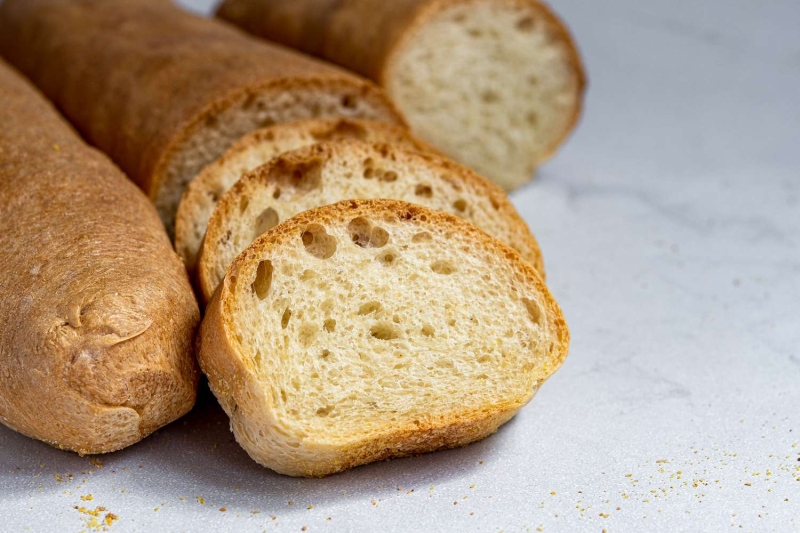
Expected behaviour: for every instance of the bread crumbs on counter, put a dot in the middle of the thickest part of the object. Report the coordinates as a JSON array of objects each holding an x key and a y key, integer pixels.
[
  {"x": 87, "y": 498},
  {"x": 374, "y": 503},
  {"x": 290, "y": 502},
  {"x": 182, "y": 498},
  {"x": 223, "y": 509},
  {"x": 303, "y": 528},
  {"x": 255, "y": 511},
  {"x": 552, "y": 493},
  {"x": 201, "y": 500},
  {"x": 58, "y": 478},
  {"x": 604, "y": 515},
  {"x": 472, "y": 486}
]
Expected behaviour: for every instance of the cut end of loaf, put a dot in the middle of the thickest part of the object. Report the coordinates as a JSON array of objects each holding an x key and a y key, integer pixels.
[
  {"x": 286, "y": 101},
  {"x": 496, "y": 85},
  {"x": 374, "y": 329}
]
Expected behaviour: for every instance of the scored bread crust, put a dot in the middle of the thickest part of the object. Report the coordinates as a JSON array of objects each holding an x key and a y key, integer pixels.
[
  {"x": 257, "y": 148},
  {"x": 143, "y": 80},
  {"x": 283, "y": 170},
  {"x": 98, "y": 318},
  {"x": 366, "y": 36},
  {"x": 234, "y": 378}
]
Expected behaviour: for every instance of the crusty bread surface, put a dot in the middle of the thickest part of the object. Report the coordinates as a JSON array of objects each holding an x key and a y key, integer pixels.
[
  {"x": 333, "y": 171},
  {"x": 495, "y": 84},
  {"x": 371, "y": 329},
  {"x": 257, "y": 148},
  {"x": 165, "y": 92},
  {"x": 98, "y": 315}
]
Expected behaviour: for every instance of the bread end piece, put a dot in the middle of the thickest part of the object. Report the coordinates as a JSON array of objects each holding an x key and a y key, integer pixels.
[{"x": 285, "y": 408}]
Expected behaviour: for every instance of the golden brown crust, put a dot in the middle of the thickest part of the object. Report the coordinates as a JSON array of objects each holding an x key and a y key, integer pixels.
[
  {"x": 312, "y": 156},
  {"x": 233, "y": 378},
  {"x": 96, "y": 330},
  {"x": 198, "y": 198},
  {"x": 140, "y": 77},
  {"x": 365, "y": 35}
]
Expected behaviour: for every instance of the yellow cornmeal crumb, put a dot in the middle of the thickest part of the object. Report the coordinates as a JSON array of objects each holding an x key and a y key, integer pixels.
[
  {"x": 201, "y": 500},
  {"x": 552, "y": 493},
  {"x": 87, "y": 498},
  {"x": 310, "y": 506},
  {"x": 604, "y": 515}
]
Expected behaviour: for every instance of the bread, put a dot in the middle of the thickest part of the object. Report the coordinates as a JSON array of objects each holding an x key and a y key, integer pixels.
[
  {"x": 330, "y": 172},
  {"x": 98, "y": 315},
  {"x": 165, "y": 92},
  {"x": 257, "y": 148},
  {"x": 371, "y": 329},
  {"x": 495, "y": 84}
]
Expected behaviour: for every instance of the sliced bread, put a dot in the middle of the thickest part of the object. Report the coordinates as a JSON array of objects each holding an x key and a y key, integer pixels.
[
  {"x": 257, "y": 148},
  {"x": 165, "y": 92},
  {"x": 329, "y": 172},
  {"x": 371, "y": 329},
  {"x": 495, "y": 84}
]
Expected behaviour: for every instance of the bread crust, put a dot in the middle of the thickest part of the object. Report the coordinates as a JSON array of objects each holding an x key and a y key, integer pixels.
[
  {"x": 366, "y": 35},
  {"x": 458, "y": 175},
  {"x": 140, "y": 78},
  {"x": 96, "y": 330},
  {"x": 232, "y": 374},
  {"x": 198, "y": 199}
]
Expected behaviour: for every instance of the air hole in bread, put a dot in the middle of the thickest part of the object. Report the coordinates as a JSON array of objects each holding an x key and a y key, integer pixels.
[
  {"x": 388, "y": 257},
  {"x": 460, "y": 205},
  {"x": 534, "y": 310},
  {"x": 344, "y": 129},
  {"x": 324, "y": 411},
  {"x": 385, "y": 331},
  {"x": 211, "y": 121},
  {"x": 532, "y": 118},
  {"x": 428, "y": 330},
  {"x": 283, "y": 396},
  {"x": 263, "y": 279},
  {"x": 318, "y": 243},
  {"x": 443, "y": 267},
  {"x": 349, "y": 101},
  {"x": 276, "y": 193},
  {"x": 526, "y": 24},
  {"x": 287, "y": 315},
  {"x": 490, "y": 97},
  {"x": 475, "y": 32},
  {"x": 369, "y": 168},
  {"x": 369, "y": 307},
  {"x": 304, "y": 175},
  {"x": 307, "y": 334},
  {"x": 325, "y": 354},
  {"x": 244, "y": 201},
  {"x": 388, "y": 176},
  {"x": 451, "y": 322},
  {"x": 308, "y": 275},
  {"x": 425, "y": 191},
  {"x": 422, "y": 236},
  {"x": 495, "y": 202},
  {"x": 329, "y": 325},
  {"x": 267, "y": 220},
  {"x": 365, "y": 235},
  {"x": 266, "y": 122}
]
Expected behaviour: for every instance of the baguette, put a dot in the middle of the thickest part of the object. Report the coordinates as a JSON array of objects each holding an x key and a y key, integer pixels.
[
  {"x": 326, "y": 354},
  {"x": 257, "y": 148},
  {"x": 98, "y": 315},
  {"x": 165, "y": 92},
  {"x": 495, "y": 84},
  {"x": 329, "y": 172}
]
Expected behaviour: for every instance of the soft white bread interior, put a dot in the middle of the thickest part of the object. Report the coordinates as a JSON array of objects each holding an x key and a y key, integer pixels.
[
  {"x": 495, "y": 84},
  {"x": 257, "y": 148},
  {"x": 330, "y": 172},
  {"x": 371, "y": 329}
]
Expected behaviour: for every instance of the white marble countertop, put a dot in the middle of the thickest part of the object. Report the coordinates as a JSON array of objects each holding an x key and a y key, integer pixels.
[{"x": 670, "y": 225}]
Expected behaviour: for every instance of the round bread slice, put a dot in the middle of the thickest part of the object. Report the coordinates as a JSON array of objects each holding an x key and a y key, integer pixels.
[
  {"x": 371, "y": 329},
  {"x": 257, "y": 148},
  {"x": 330, "y": 172}
]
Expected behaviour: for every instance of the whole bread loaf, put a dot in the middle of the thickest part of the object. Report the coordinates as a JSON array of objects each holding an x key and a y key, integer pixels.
[
  {"x": 330, "y": 172},
  {"x": 371, "y": 329},
  {"x": 257, "y": 148},
  {"x": 495, "y": 84},
  {"x": 98, "y": 315},
  {"x": 165, "y": 92}
]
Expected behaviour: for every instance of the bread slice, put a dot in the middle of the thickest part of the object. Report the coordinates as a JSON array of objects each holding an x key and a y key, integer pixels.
[
  {"x": 257, "y": 148},
  {"x": 98, "y": 317},
  {"x": 495, "y": 84},
  {"x": 165, "y": 92},
  {"x": 371, "y": 329},
  {"x": 329, "y": 172}
]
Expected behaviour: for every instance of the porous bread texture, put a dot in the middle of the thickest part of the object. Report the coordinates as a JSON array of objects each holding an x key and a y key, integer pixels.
[
  {"x": 257, "y": 148},
  {"x": 371, "y": 329},
  {"x": 330, "y": 172},
  {"x": 497, "y": 85},
  {"x": 216, "y": 132}
]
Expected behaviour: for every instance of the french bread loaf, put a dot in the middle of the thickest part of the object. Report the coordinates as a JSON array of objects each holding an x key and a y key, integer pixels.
[
  {"x": 98, "y": 315},
  {"x": 495, "y": 84},
  {"x": 165, "y": 92},
  {"x": 330, "y": 172},
  {"x": 371, "y": 329},
  {"x": 258, "y": 148}
]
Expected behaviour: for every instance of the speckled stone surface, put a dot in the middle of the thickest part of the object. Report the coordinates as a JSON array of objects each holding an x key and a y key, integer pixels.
[{"x": 670, "y": 225}]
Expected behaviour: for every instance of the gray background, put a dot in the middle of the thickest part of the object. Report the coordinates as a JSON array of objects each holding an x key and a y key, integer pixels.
[{"x": 670, "y": 224}]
